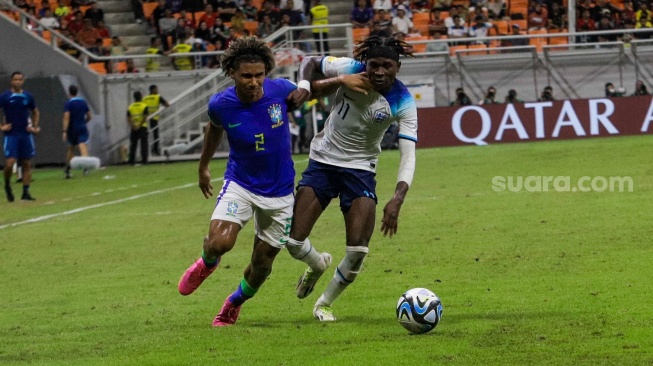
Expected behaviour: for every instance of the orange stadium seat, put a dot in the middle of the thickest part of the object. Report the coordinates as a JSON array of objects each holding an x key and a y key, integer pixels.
[
  {"x": 522, "y": 23},
  {"x": 420, "y": 18},
  {"x": 47, "y": 36},
  {"x": 98, "y": 67},
  {"x": 482, "y": 49},
  {"x": 360, "y": 33},
  {"x": 106, "y": 42},
  {"x": 453, "y": 49},
  {"x": 503, "y": 26},
  {"x": 423, "y": 29},
  {"x": 120, "y": 67},
  {"x": 148, "y": 9},
  {"x": 419, "y": 47},
  {"x": 252, "y": 27}
]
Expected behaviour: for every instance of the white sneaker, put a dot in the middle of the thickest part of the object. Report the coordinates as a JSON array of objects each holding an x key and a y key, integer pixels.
[
  {"x": 323, "y": 313},
  {"x": 308, "y": 280}
]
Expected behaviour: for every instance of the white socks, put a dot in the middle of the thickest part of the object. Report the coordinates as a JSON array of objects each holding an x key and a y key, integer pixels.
[
  {"x": 304, "y": 251},
  {"x": 346, "y": 273}
]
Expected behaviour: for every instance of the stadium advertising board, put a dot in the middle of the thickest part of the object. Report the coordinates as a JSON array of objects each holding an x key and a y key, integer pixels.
[{"x": 535, "y": 121}]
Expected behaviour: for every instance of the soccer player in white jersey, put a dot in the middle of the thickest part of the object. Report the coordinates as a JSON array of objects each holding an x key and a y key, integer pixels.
[
  {"x": 259, "y": 179},
  {"x": 343, "y": 157}
]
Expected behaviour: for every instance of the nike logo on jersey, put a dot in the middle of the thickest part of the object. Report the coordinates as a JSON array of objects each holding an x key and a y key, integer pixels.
[{"x": 232, "y": 125}]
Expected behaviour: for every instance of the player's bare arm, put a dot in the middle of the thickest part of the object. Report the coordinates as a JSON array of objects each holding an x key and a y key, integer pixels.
[
  {"x": 212, "y": 137},
  {"x": 66, "y": 121},
  {"x": 391, "y": 210},
  {"x": 34, "y": 128}
]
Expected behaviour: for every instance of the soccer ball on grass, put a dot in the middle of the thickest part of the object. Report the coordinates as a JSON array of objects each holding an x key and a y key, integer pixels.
[{"x": 419, "y": 310}]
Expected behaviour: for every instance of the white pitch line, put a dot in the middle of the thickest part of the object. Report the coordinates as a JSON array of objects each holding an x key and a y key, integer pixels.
[{"x": 77, "y": 210}]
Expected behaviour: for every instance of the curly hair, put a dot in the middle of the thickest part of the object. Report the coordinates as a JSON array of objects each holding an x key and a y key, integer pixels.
[
  {"x": 247, "y": 49},
  {"x": 362, "y": 48}
]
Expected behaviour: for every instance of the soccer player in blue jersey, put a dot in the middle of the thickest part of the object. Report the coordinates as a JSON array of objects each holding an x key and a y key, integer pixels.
[
  {"x": 18, "y": 105},
  {"x": 344, "y": 155},
  {"x": 259, "y": 178},
  {"x": 75, "y": 117}
]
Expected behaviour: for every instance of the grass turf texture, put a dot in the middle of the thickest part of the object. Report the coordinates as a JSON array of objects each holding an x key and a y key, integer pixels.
[{"x": 548, "y": 278}]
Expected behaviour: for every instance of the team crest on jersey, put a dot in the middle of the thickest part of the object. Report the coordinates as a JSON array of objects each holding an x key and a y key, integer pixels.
[
  {"x": 275, "y": 115},
  {"x": 380, "y": 116},
  {"x": 232, "y": 208}
]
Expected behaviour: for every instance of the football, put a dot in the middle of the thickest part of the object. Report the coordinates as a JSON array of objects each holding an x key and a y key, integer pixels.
[{"x": 419, "y": 310}]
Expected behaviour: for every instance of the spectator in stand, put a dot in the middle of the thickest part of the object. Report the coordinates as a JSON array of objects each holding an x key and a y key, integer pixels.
[
  {"x": 250, "y": 11},
  {"x": 362, "y": 14},
  {"x": 233, "y": 35},
  {"x": 94, "y": 13},
  {"x": 640, "y": 88},
  {"x": 320, "y": 17},
  {"x": 401, "y": 23},
  {"x": 461, "y": 98},
  {"x": 137, "y": 8},
  {"x": 295, "y": 15},
  {"x": 194, "y": 6},
  {"x": 511, "y": 98},
  {"x": 189, "y": 19},
  {"x": 88, "y": 35},
  {"x": 49, "y": 20},
  {"x": 585, "y": 24},
  {"x": 643, "y": 12},
  {"x": 159, "y": 13},
  {"x": 437, "y": 46},
  {"x": 458, "y": 30},
  {"x": 77, "y": 24},
  {"x": 209, "y": 16},
  {"x": 117, "y": 48},
  {"x": 168, "y": 28},
  {"x": 219, "y": 31},
  {"x": 97, "y": 49},
  {"x": 606, "y": 25},
  {"x": 449, "y": 21},
  {"x": 496, "y": 9},
  {"x": 383, "y": 4},
  {"x": 227, "y": 9},
  {"x": 583, "y": 5},
  {"x": 604, "y": 7},
  {"x": 627, "y": 20},
  {"x": 203, "y": 32},
  {"x": 238, "y": 21},
  {"x": 267, "y": 8},
  {"x": 538, "y": 18},
  {"x": 547, "y": 94},
  {"x": 480, "y": 29},
  {"x": 131, "y": 68},
  {"x": 490, "y": 96},
  {"x": 45, "y": 4},
  {"x": 377, "y": 30},
  {"x": 385, "y": 19},
  {"x": 266, "y": 28},
  {"x": 610, "y": 91},
  {"x": 23, "y": 5},
  {"x": 175, "y": 5},
  {"x": 443, "y": 5},
  {"x": 514, "y": 42},
  {"x": 557, "y": 17},
  {"x": 436, "y": 25},
  {"x": 474, "y": 13},
  {"x": 103, "y": 30},
  {"x": 62, "y": 10},
  {"x": 420, "y": 6}
]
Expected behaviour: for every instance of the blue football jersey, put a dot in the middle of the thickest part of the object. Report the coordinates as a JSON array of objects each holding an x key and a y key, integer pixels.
[
  {"x": 17, "y": 107},
  {"x": 77, "y": 108},
  {"x": 259, "y": 138}
]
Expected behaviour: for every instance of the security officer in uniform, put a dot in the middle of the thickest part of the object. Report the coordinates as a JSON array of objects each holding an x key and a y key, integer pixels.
[
  {"x": 182, "y": 62},
  {"x": 137, "y": 119},
  {"x": 153, "y": 63},
  {"x": 154, "y": 102},
  {"x": 319, "y": 14}
]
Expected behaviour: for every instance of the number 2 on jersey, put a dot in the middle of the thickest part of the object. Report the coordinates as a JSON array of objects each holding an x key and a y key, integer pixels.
[{"x": 260, "y": 140}]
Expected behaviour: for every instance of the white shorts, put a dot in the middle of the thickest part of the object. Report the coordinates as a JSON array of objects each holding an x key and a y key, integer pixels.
[{"x": 272, "y": 215}]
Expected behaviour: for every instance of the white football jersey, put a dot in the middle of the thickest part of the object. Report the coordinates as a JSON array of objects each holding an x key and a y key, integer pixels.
[{"x": 352, "y": 133}]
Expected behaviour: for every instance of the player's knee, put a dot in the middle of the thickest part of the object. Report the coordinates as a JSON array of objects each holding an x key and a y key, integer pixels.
[
  {"x": 360, "y": 240},
  {"x": 217, "y": 245}
]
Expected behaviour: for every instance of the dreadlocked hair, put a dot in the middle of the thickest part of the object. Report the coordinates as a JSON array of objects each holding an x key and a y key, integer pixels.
[
  {"x": 362, "y": 48},
  {"x": 247, "y": 49}
]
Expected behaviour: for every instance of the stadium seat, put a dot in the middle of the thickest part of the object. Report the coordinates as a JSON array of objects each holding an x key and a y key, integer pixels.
[
  {"x": 423, "y": 29},
  {"x": 197, "y": 15},
  {"x": 120, "y": 67},
  {"x": 481, "y": 49},
  {"x": 522, "y": 23},
  {"x": 503, "y": 26},
  {"x": 252, "y": 27},
  {"x": 453, "y": 49},
  {"x": 106, "y": 42},
  {"x": 98, "y": 67},
  {"x": 419, "y": 47},
  {"x": 360, "y": 33},
  {"x": 420, "y": 18},
  {"x": 47, "y": 35},
  {"x": 538, "y": 43}
]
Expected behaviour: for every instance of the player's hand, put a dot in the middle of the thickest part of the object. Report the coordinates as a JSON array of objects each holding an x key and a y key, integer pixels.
[
  {"x": 205, "y": 182},
  {"x": 33, "y": 130},
  {"x": 65, "y": 136},
  {"x": 296, "y": 98},
  {"x": 356, "y": 82},
  {"x": 6, "y": 127},
  {"x": 390, "y": 217}
]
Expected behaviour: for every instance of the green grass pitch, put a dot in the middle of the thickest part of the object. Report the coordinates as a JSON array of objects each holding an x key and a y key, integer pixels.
[{"x": 525, "y": 278}]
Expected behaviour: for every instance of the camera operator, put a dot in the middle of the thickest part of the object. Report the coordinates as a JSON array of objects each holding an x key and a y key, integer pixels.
[
  {"x": 512, "y": 97},
  {"x": 489, "y": 97},
  {"x": 461, "y": 98},
  {"x": 547, "y": 95}
]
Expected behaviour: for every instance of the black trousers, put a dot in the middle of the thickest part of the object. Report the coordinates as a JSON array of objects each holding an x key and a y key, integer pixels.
[
  {"x": 154, "y": 126},
  {"x": 323, "y": 45},
  {"x": 135, "y": 137}
]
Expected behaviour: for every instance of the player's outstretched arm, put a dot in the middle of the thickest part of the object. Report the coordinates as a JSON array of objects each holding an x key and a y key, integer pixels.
[
  {"x": 404, "y": 179},
  {"x": 212, "y": 137}
]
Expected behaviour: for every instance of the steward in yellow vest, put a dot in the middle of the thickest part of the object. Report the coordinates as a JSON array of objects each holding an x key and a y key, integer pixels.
[
  {"x": 186, "y": 62},
  {"x": 137, "y": 119},
  {"x": 154, "y": 101},
  {"x": 153, "y": 63}
]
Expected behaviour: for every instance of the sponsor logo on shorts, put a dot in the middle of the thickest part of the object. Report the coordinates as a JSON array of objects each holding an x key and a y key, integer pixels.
[{"x": 232, "y": 208}]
